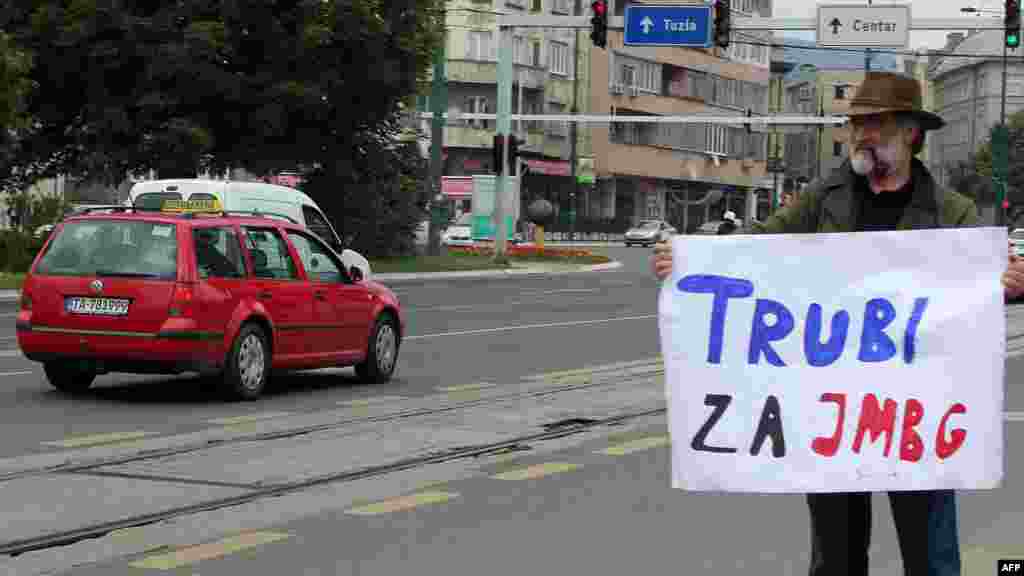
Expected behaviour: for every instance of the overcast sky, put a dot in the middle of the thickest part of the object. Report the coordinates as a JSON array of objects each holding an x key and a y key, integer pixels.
[{"x": 918, "y": 8}]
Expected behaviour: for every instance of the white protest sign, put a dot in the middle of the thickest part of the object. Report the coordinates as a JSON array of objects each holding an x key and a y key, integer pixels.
[{"x": 836, "y": 362}]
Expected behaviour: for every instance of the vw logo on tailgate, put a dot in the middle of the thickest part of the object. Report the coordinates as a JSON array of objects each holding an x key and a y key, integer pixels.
[{"x": 97, "y": 286}]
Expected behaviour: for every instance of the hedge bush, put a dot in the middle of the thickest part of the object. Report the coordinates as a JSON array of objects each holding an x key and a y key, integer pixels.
[{"x": 18, "y": 250}]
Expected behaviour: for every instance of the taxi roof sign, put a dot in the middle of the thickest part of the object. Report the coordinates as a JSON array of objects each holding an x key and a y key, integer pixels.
[{"x": 192, "y": 206}]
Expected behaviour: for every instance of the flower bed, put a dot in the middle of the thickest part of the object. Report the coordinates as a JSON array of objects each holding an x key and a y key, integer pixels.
[{"x": 532, "y": 252}]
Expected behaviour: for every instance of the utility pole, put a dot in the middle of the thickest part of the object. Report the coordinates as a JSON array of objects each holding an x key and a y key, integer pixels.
[
  {"x": 572, "y": 130},
  {"x": 438, "y": 105}
]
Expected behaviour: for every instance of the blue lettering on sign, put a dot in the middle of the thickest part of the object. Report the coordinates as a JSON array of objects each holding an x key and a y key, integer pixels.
[
  {"x": 723, "y": 288},
  {"x": 875, "y": 344},
  {"x": 762, "y": 335},
  {"x": 819, "y": 354}
]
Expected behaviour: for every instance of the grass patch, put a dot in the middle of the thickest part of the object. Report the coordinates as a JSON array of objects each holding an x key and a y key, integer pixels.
[
  {"x": 11, "y": 281},
  {"x": 442, "y": 263}
]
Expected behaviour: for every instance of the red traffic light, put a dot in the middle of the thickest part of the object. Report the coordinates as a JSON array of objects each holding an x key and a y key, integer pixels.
[
  {"x": 1006, "y": 204},
  {"x": 599, "y": 7}
]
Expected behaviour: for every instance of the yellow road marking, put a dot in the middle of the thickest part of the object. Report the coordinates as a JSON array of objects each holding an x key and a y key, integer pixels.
[
  {"x": 635, "y": 445},
  {"x": 981, "y": 560},
  {"x": 210, "y": 550},
  {"x": 536, "y": 471},
  {"x": 247, "y": 418},
  {"x": 402, "y": 503},
  {"x": 367, "y": 401},
  {"x": 467, "y": 387},
  {"x": 111, "y": 437}
]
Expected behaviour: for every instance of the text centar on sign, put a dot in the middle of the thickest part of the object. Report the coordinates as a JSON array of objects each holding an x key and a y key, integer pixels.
[{"x": 874, "y": 26}]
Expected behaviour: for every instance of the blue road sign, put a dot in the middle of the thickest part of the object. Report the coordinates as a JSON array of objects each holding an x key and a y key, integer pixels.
[{"x": 668, "y": 25}]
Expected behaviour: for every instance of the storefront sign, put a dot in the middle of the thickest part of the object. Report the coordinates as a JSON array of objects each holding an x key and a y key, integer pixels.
[
  {"x": 457, "y": 186},
  {"x": 550, "y": 167}
]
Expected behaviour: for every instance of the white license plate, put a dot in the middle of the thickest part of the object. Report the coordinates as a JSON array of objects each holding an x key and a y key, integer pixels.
[{"x": 98, "y": 306}]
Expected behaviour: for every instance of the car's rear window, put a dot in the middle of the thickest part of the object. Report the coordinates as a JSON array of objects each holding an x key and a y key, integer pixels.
[
  {"x": 112, "y": 248},
  {"x": 154, "y": 200}
]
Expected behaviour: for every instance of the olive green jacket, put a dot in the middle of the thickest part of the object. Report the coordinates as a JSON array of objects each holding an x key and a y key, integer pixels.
[{"x": 831, "y": 206}]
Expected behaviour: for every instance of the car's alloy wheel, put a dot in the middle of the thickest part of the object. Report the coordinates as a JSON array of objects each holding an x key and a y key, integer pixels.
[
  {"x": 382, "y": 352},
  {"x": 248, "y": 365}
]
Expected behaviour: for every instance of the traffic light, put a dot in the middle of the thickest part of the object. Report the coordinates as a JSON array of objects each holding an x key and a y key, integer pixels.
[
  {"x": 498, "y": 152},
  {"x": 723, "y": 22},
  {"x": 599, "y": 23},
  {"x": 513, "y": 153},
  {"x": 1011, "y": 22}
]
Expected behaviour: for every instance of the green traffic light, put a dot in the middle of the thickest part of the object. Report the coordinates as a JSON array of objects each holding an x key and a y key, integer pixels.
[{"x": 1012, "y": 40}]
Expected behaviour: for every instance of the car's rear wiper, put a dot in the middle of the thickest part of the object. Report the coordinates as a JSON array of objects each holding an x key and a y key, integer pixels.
[{"x": 127, "y": 274}]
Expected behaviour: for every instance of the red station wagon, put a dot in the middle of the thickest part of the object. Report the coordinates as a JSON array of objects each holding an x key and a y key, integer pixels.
[{"x": 228, "y": 295}]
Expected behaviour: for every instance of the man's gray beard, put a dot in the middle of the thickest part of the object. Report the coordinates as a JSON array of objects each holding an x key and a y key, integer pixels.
[{"x": 863, "y": 161}]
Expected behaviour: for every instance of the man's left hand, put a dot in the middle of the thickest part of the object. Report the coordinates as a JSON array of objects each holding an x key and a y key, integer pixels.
[{"x": 1013, "y": 278}]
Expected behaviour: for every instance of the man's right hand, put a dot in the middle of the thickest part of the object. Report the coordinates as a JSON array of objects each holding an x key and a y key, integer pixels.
[{"x": 661, "y": 261}]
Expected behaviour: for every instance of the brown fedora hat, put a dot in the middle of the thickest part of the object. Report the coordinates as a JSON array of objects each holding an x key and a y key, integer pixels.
[{"x": 883, "y": 92}]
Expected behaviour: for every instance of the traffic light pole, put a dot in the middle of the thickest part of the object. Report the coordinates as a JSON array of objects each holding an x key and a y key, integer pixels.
[
  {"x": 503, "y": 124},
  {"x": 1000, "y": 210}
]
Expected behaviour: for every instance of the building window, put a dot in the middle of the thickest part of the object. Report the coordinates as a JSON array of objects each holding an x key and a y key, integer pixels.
[
  {"x": 479, "y": 46},
  {"x": 558, "y": 56},
  {"x": 837, "y": 149},
  {"x": 536, "y": 5},
  {"x": 626, "y": 75},
  {"x": 717, "y": 140},
  {"x": 477, "y": 105},
  {"x": 561, "y": 6},
  {"x": 535, "y": 52},
  {"x": 840, "y": 92}
]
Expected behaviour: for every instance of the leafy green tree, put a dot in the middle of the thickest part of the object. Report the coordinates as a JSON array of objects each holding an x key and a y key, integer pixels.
[
  {"x": 177, "y": 87},
  {"x": 14, "y": 85},
  {"x": 983, "y": 159}
]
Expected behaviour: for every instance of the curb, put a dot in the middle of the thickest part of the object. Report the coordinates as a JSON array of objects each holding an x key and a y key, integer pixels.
[
  {"x": 385, "y": 278},
  {"x": 12, "y": 295}
]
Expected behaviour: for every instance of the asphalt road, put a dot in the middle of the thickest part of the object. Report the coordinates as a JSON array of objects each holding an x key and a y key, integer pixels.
[
  {"x": 461, "y": 333},
  {"x": 602, "y": 506}
]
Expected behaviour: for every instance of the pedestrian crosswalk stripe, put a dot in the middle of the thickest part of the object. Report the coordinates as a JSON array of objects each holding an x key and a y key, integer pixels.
[
  {"x": 93, "y": 439},
  {"x": 636, "y": 445},
  {"x": 233, "y": 420},
  {"x": 402, "y": 503},
  {"x": 536, "y": 471},
  {"x": 208, "y": 551}
]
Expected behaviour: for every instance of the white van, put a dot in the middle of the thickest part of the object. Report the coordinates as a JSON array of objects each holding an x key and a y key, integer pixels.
[{"x": 248, "y": 197}]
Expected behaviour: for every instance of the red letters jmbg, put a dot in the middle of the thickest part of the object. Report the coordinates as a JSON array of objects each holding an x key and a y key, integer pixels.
[{"x": 876, "y": 419}]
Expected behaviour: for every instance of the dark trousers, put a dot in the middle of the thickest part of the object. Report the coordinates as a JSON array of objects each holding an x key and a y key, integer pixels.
[{"x": 926, "y": 524}]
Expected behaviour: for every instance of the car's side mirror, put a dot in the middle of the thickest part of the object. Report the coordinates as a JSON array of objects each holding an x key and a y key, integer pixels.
[{"x": 355, "y": 273}]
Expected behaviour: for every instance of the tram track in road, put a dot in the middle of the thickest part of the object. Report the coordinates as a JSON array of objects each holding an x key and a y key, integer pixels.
[{"x": 554, "y": 431}]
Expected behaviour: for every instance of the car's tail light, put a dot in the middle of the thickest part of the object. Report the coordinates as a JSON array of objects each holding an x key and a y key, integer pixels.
[
  {"x": 182, "y": 301},
  {"x": 26, "y": 301}
]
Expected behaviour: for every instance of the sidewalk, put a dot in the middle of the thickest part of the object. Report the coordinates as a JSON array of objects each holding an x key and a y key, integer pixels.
[{"x": 533, "y": 270}]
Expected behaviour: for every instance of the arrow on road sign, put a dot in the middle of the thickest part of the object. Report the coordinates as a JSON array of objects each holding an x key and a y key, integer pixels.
[
  {"x": 836, "y": 25},
  {"x": 646, "y": 24}
]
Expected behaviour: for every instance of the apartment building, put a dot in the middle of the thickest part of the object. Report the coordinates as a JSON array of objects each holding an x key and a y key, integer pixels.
[
  {"x": 684, "y": 173},
  {"x": 968, "y": 96},
  {"x": 550, "y": 73}
]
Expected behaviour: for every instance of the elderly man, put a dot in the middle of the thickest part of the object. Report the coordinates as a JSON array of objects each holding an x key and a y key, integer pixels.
[{"x": 882, "y": 186}]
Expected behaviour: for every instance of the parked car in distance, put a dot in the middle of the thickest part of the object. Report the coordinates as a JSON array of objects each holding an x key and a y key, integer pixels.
[{"x": 648, "y": 232}]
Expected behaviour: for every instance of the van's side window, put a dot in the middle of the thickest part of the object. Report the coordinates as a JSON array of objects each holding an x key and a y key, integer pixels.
[{"x": 316, "y": 222}]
